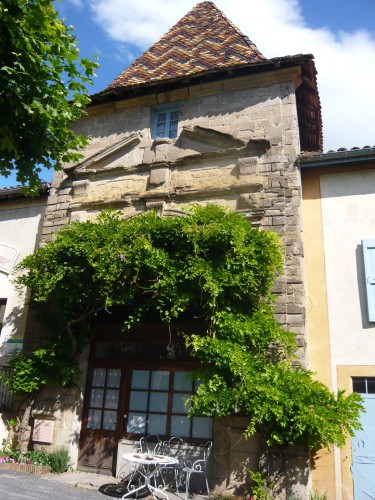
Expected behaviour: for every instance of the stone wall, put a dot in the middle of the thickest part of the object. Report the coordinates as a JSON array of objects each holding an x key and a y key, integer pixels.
[{"x": 237, "y": 146}]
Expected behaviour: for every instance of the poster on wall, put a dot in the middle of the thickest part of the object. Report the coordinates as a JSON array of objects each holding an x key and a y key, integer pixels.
[{"x": 8, "y": 257}]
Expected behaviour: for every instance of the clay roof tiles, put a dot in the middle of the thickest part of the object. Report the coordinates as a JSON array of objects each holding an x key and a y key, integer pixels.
[{"x": 201, "y": 41}]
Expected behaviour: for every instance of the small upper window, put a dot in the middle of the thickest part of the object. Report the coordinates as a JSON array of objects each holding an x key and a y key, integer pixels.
[
  {"x": 165, "y": 123},
  {"x": 364, "y": 385}
]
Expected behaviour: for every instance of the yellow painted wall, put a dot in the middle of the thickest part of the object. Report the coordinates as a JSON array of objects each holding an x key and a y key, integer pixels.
[{"x": 318, "y": 344}]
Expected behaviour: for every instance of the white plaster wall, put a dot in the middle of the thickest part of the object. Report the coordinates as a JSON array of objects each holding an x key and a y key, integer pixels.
[
  {"x": 18, "y": 228},
  {"x": 348, "y": 201}
]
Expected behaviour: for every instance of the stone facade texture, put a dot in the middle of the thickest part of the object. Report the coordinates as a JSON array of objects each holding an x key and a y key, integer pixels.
[{"x": 237, "y": 145}]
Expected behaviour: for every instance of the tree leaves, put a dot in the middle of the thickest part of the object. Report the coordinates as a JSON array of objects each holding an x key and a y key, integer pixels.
[{"x": 42, "y": 89}]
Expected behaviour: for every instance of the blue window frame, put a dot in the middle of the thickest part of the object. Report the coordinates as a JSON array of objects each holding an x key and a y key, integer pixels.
[
  {"x": 165, "y": 122},
  {"x": 369, "y": 261}
]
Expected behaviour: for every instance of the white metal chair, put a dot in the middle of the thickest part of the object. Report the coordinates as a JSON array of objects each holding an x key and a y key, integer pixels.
[
  {"x": 150, "y": 444},
  {"x": 174, "y": 448},
  {"x": 197, "y": 464}
]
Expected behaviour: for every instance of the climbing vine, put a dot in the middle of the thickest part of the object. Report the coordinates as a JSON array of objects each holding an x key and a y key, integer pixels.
[{"x": 210, "y": 265}]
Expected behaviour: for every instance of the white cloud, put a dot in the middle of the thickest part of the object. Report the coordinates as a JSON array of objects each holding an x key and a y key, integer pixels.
[
  {"x": 77, "y": 4},
  {"x": 345, "y": 61}
]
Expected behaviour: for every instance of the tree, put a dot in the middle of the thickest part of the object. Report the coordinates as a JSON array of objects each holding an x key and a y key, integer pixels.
[
  {"x": 42, "y": 89},
  {"x": 211, "y": 265}
]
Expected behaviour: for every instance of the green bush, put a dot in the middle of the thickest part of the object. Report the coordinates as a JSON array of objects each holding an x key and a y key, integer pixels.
[{"x": 59, "y": 460}]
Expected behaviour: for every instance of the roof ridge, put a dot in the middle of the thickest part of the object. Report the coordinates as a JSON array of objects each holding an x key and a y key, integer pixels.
[{"x": 203, "y": 40}]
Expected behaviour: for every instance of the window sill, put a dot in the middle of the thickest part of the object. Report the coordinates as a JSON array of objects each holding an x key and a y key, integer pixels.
[{"x": 162, "y": 140}]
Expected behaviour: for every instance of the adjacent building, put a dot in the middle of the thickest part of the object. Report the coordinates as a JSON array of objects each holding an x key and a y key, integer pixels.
[
  {"x": 20, "y": 230},
  {"x": 339, "y": 238}
]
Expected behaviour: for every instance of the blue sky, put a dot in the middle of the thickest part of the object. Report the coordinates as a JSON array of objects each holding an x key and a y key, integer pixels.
[{"x": 340, "y": 34}]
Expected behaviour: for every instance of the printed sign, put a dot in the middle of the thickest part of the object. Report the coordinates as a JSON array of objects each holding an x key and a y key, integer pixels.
[{"x": 8, "y": 256}]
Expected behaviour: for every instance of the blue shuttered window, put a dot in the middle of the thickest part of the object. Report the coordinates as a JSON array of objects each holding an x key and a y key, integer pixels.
[
  {"x": 165, "y": 122},
  {"x": 369, "y": 260}
]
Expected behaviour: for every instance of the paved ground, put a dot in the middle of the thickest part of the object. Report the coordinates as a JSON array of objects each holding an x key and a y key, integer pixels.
[
  {"x": 19, "y": 486},
  {"x": 70, "y": 485}
]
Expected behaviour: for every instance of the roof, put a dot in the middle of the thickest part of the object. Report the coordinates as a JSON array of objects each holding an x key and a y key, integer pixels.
[
  {"x": 17, "y": 192},
  {"x": 342, "y": 155},
  {"x": 205, "y": 46},
  {"x": 202, "y": 40}
]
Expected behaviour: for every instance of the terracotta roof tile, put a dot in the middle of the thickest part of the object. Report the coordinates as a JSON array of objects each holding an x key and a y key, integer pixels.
[{"x": 201, "y": 41}]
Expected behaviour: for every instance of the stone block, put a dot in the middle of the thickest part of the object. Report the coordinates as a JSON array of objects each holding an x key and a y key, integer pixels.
[
  {"x": 81, "y": 188},
  {"x": 62, "y": 222},
  {"x": 62, "y": 206},
  {"x": 159, "y": 177},
  {"x": 248, "y": 166},
  {"x": 278, "y": 221},
  {"x": 173, "y": 95},
  {"x": 295, "y": 319},
  {"x": 65, "y": 191},
  {"x": 52, "y": 200},
  {"x": 62, "y": 198},
  {"x": 60, "y": 213}
]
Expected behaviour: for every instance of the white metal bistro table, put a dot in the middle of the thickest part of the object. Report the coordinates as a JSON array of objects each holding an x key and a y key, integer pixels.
[{"x": 148, "y": 470}]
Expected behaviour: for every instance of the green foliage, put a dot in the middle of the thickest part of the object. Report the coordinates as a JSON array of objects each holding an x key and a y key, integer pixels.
[
  {"x": 54, "y": 364},
  {"x": 42, "y": 89},
  {"x": 58, "y": 460},
  {"x": 317, "y": 496},
  {"x": 262, "y": 489},
  {"x": 209, "y": 266}
]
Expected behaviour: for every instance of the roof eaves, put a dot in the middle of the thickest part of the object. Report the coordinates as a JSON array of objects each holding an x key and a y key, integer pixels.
[
  {"x": 338, "y": 157},
  {"x": 16, "y": 192},
  {"x": 123, "y": 92}
]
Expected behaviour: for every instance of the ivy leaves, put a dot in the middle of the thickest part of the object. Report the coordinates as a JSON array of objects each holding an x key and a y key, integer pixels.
[{"x": 209, "y": 266}]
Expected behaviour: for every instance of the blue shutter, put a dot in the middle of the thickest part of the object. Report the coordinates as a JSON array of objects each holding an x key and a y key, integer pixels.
[{"x": 369, "y": 259}]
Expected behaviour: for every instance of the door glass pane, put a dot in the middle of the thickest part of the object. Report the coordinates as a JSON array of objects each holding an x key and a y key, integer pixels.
[
  {"x": 113, "y": 378},
  {"x": 160, "y": 380},
  {"x": 159, "y": 402},
  {"x": 98, "y": 377},
  {"x": 202, "y": 427},
  {"x": 140, "y": 379},
  {"x": 138, "y": 400},
  {"x": 109, "y": 420},
  {"x": 137, "y": 423},
  {"x": 111, "y": 399},
  {"x": 179, "y": 403},
  {"x": 181, "y": 383},
  {"x": 180, "y": 426},
  {"x": 96, "y": 398},
  {"x": 94, "y": 419},
  {"x": 157, "y": 424}
]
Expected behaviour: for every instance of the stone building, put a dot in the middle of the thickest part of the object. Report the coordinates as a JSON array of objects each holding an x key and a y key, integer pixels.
[{"x": 200, "y": 117}]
